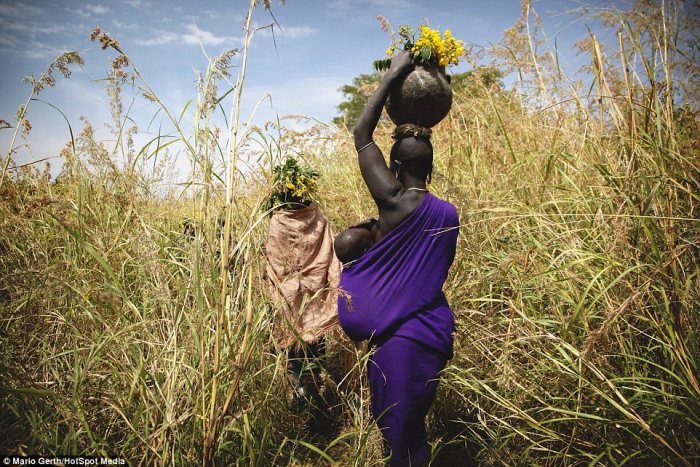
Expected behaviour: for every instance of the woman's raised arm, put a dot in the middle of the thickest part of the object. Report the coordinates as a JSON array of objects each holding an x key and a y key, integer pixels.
[{"x": 381, "y": 182}]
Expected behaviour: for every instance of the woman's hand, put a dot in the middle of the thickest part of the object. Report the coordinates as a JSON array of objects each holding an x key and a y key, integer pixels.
[
  {"x": 367, "y": 224},
  {"x": 401, "y": 64}
]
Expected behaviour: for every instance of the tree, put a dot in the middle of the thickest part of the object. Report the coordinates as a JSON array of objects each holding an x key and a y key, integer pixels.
[
  {"x": 356, "y": 96},
  {"x": 475, "y": 81}
]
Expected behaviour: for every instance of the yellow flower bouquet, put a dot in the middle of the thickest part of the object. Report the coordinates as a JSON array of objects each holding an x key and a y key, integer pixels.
[
  {"x": 293, "y": 186},
  {"x": 429, "y": 48}
]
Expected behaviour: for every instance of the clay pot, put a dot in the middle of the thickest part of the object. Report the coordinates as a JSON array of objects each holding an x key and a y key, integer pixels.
[{"x": 422, "y": 97}]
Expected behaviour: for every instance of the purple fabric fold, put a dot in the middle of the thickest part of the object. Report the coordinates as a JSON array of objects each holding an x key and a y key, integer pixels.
[{"x": 395, "y": 287}]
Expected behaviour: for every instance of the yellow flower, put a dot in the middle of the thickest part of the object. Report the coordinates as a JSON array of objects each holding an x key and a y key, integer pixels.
[
  {"x": 444, "y": 50},
  {"x": 405, "y": 31}
]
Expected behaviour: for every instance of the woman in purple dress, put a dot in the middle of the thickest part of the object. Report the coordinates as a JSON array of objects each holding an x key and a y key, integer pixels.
[{"x": 392, "y": 293}]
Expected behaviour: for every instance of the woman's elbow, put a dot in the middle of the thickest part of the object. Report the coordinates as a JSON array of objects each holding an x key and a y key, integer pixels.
[
  {"x": 358, "y": 132},
  {"x": 362, "y": 129}
]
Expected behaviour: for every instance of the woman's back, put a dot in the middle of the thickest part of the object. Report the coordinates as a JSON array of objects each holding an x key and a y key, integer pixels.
[
  {"x": 406, "y": 203},
  {"x": 401, "y": 277}
]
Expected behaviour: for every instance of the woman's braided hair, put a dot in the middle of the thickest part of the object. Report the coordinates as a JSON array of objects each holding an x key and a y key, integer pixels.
[{"x": 409, "y": 129}]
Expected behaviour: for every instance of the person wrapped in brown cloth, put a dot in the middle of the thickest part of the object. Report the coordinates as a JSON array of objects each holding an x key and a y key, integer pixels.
[{"x": 302, "y": 273}]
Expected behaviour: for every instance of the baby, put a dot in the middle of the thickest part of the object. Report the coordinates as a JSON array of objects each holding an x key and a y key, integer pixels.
[{"x": 352, "y": 243}]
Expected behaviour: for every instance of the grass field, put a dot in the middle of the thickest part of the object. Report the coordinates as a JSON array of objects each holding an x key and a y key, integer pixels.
[{"x": 575, "y": 288}]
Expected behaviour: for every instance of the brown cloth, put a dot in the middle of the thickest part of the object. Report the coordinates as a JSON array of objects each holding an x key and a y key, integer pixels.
[{"x": 302, "y": 273}]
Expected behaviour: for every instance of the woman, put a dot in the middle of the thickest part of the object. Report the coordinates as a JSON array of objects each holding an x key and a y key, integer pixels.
[{"x": 392, "y": 294}]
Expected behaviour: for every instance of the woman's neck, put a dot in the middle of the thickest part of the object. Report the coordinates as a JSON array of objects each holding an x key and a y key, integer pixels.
[{"x": 409, "y": 181}]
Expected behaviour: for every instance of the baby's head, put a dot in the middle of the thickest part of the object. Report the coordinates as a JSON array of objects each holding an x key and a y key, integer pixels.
[{"x": 351, "y": 243}]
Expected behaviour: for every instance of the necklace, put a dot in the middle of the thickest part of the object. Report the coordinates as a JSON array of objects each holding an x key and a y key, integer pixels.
[{"x": 417, "y": 189}]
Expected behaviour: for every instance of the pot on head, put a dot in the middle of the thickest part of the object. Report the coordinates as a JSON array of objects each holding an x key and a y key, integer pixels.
[{"x": 423, "y": 97}]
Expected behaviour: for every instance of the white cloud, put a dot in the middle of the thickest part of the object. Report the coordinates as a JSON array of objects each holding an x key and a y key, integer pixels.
[
  {"x": 31, "y": 28},
  {"x": 162, "y": 38},
  {"x": 39, "y": 50},
  {"x": 33, "y": 49},
  {"x": 232, "y": 14},
  {"x": 98, "y": 9},
  {"x": 91, "y": 10},
  {"x": 19, "y": 10},
  {"x": 8, "y": 42},
  {"x": 138, "y": 3},
  {"x": 24, "y": 31},
  {"x": 296, "y": 32},
  {"x": 289, "y": 32},
  {"x": 120, "y": 25},
  {"x": 23, "y": 38},
  {"x": 386, "y": 6},
  {"x": 53, "y": 29},
  {"x": 193, "y": 36},
  {"x": 196, "y": 35},
  {"x": 400, "y": 4}
]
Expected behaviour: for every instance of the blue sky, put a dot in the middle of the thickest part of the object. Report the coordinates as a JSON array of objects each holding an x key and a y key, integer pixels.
[{"x": 320, "y": 46}]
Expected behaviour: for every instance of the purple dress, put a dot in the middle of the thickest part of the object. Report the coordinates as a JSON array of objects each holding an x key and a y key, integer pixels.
[{"x": 392, "y": 295}]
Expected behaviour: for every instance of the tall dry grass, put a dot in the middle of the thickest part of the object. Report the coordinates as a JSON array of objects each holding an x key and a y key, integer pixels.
[{"x": 575, "y": 286}]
